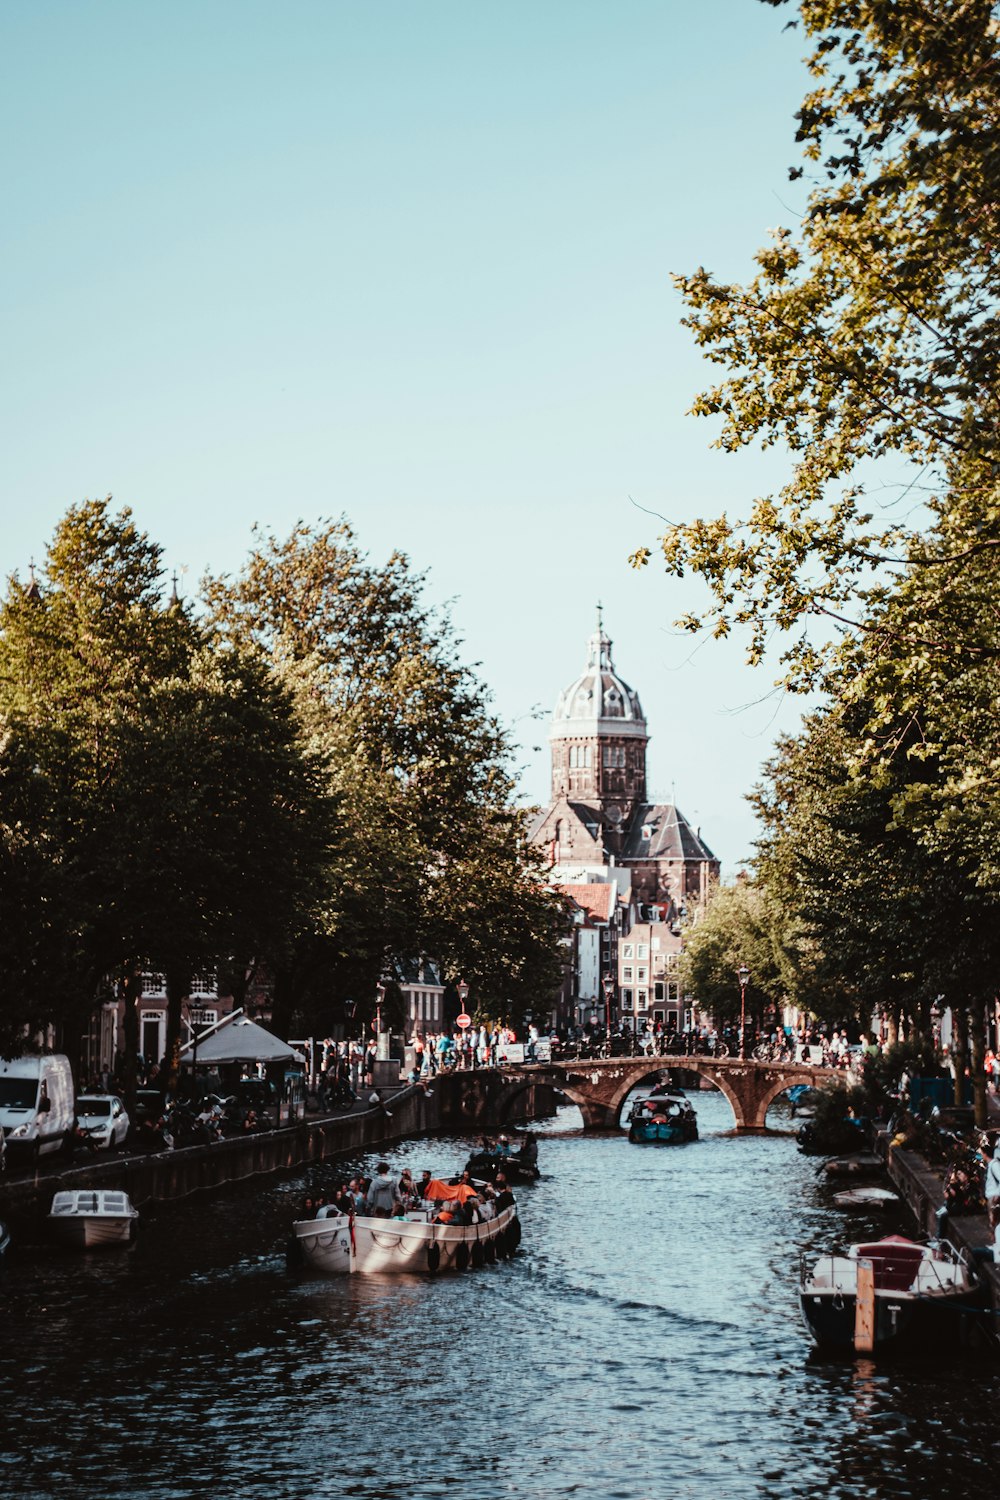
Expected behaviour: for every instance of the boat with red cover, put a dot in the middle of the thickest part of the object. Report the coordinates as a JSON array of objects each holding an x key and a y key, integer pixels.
[{"x": 925, "y": 1297}]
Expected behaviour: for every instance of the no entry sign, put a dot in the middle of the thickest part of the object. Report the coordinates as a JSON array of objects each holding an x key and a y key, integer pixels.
[{"x": 463, "y": 1020}]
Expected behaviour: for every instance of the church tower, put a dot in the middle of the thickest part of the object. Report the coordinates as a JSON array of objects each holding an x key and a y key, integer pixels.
[
  {"x": 598, "y": 738},
  {"x": 599, "y": 814}
]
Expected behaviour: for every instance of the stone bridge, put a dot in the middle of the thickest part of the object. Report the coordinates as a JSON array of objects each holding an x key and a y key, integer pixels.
[{"x": 599, "y": 1086}]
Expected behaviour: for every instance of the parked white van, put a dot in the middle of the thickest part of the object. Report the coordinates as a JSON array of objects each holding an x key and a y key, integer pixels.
[{"x": 36, "y": 1104}]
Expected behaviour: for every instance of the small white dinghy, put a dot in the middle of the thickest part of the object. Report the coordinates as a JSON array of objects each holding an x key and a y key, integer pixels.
[
  {"x": 865, "y": 1197},
  {"x": 86, "y": 1218}
]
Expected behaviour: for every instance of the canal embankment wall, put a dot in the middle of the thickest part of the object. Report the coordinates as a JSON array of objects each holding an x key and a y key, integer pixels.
[
  {"x": 471, "y": 1101},
  {"x": 922, "y": 1190}
]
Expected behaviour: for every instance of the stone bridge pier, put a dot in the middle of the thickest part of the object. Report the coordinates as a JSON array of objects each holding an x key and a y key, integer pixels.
[{"x": 599, "y": 1087}]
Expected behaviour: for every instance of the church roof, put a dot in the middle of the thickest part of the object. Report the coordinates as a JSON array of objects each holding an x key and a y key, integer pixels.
[
  {"x": 598, "y": 701},
  {"x": 661, "y": 831}
]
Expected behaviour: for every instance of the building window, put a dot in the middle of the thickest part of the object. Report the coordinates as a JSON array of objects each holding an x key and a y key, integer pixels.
[
  {"x": 642, "y": 951},
  {"x": 642, "y": 1000},
  {"x": 154, "y": 984},
  {"x": 614, "y": 756},
  {"x": 626, "y": 972},
  {"x": 641, "y": 976},
  {"x": 626, "y": 950},
  {"x": 586, "y": 757},
  {"x": 626, "y": 999},
  {"x": 658, "y": 991}
]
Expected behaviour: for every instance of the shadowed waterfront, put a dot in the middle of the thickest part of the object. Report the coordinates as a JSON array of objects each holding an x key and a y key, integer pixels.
[{"x": 646, "y": 1342}]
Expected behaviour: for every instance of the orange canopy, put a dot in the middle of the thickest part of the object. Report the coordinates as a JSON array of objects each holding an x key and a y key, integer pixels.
[
  {"x": 439, "y": 1191},
  {"x": 444, "y": 1192},
  {"x": 461, "y": 1191}
]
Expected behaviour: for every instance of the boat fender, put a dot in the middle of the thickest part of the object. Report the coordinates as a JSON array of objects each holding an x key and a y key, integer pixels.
[
  {"x": 490, "y": 1252},
  {"x": 433, "y": 1257},
  {"x": 478, "y": 1253},
  {"x": 514, "y": 1233},
  {"x": 462, "y": 1257},
  {"x": 293, "y": 1254}
]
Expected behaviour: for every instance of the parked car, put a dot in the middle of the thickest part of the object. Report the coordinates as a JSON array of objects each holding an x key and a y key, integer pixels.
[{"x": 102, "y": 1117}]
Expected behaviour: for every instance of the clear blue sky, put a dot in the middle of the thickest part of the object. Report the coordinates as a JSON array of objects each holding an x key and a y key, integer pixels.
[{"x": 411, "y": 263}]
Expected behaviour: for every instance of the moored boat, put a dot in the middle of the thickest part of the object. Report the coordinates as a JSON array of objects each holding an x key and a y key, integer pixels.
[
  {"x": 662, "y": 1118},
  {"x": 892, "y": 1293},
  {"x": 865, "y": 1197},
  {"x": 88, "y": 1219},
  {"x": 517, "y": 1166},
  {"x": 340, "y": 1244}
]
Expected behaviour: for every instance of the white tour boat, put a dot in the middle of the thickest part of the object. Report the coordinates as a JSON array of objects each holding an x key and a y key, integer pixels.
[
  {"x": 340, "y": 1244},
  {"x": 86, "y": 1218}
]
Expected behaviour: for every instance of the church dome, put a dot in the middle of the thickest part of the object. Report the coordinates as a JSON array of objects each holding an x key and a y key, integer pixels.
[{"x": 598, "y": 702}]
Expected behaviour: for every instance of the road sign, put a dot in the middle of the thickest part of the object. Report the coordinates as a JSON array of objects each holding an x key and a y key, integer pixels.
[{"x": 463, "y": 1020}]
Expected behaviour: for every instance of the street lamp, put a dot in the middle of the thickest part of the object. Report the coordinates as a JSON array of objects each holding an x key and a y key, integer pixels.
[
  {"x": 609, "y": 989},
  {"x": 379, "y": 997},
  {"x": 743, "y": 975}
]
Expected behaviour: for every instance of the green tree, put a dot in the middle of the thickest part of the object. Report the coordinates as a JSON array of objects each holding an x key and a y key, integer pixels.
[
  {"x": 177, "y": 819},
  {"x": 882, "y": 916},
  {"x": 738, "y": 928},
  {"x": 870, "y": 332},
  {"x": 80, "y": 657},
  {"x": 416, "y": 760}
]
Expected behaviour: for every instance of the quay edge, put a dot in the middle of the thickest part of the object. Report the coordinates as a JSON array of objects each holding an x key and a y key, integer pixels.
[
  {"x": 922, "y": 1190},
  {"x": 461, "y": 1102}
]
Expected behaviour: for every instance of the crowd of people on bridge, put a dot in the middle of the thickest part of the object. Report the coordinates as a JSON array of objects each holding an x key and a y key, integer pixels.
[{"x": 348, "y": 1067}]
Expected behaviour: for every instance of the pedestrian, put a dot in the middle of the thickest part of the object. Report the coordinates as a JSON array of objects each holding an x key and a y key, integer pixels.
[{"x": 991, "y": 1187}]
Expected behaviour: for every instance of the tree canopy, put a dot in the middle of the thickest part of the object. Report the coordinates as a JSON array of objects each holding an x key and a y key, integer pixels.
[
  {"x": 298, "y": 777},
  {"x": 866, "y": 345}
]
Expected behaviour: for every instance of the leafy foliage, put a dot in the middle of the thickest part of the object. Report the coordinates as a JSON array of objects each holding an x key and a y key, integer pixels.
[{"x": 870, "y": 332}]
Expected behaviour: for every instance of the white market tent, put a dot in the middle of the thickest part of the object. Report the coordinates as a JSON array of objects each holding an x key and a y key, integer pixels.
[{"x": 240, "y": 1040}]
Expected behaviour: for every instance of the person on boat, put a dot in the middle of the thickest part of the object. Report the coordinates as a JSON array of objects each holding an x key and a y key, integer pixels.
[
  {"x": 405, "y": 1189},
  {"x": 426, "y": 1178},
  {"x": 504, "y": 1198},
  {"x": 529, "y": 1151},
  {"x": 381, "y": 1195},
  {"x": 504, "y": 1146}
]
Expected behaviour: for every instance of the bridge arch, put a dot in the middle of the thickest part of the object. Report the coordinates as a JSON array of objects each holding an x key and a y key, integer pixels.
[{"x": 599, "y": 1087}]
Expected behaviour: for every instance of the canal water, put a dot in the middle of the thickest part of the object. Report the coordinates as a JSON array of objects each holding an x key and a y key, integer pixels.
[{"x": 645, "y": 1344}]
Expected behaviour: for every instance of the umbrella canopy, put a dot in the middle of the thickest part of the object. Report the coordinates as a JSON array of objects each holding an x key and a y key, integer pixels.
[{"x": 241, "y": 1041}]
